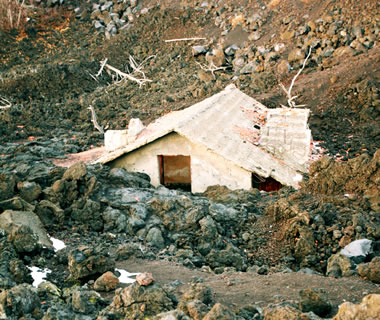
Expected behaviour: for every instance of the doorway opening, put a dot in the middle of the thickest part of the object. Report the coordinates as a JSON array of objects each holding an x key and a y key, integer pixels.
[
  {"x": 265, "y": 184},
  {"x": 175, "y": 172}
]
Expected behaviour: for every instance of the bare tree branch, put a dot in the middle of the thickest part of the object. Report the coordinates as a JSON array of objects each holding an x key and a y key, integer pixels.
[
  {"x": 94, "y": 121},
  {"x": 103, "y": 63},
  {"x": 211, "y": 68},
  {"x": 185, "y": 39},
  {"x": 4, "y": 103},
  {"x": 288, "y": 92},
  {"x": 119, "y": 75}
]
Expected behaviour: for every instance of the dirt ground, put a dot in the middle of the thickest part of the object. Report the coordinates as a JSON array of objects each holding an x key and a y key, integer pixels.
[{"x": 239, "y": 289}]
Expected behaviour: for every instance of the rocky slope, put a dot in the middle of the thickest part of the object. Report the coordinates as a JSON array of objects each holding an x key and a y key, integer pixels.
[{"x": 50, "y": 75}]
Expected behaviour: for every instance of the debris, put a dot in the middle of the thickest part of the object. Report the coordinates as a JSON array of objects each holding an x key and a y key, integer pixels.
[
  {"x": 4, "y": 103},
  {"x": 185, "y": 39},
  {"x": 120, "y": 75},
  {"x": 288, "y": 92},
  {"x": 94, "y": 121}
]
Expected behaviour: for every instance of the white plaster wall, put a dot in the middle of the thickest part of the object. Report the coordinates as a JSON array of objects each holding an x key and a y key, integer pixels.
[{"x": 207, "y": 168}]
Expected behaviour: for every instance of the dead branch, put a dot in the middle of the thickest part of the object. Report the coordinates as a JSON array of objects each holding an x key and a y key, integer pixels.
[
  {"x": 103, "y": 63},
  {"x": 288, "y": 92},
  {"x": 211, "y": 68},
  {"x": 4, "y": 103},
  {"x": 120, "y": 75},
  {"x": 185, "y": 39},
  {"x": 138, "y": 68},
  {"x": 94, "y": 121}
]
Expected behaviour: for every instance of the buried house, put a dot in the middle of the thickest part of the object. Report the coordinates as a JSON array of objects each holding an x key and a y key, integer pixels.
[{"x": 228, "y": 139}]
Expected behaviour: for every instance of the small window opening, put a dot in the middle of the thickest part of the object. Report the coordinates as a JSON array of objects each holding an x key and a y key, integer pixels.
[
  {"x": 175, "y": 172},
  {"x": 265, "y": 184}
]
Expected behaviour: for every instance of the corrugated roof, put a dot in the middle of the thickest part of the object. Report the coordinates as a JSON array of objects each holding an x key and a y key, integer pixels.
[{"x": 224, "y": 123}]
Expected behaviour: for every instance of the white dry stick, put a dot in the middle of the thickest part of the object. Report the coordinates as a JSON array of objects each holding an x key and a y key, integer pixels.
[
  {"x": 103, "y": 63},
  {"x": 138, "y": 68},
  {"x": 212, "y": 68},
  {"x": 288, "y": 92},
  {"x": 4, "y": 103},
  {"x": 135, "y": 67},
  {"x": 185, "y": 39},
  {"x": 118, "y": 74},
  {"x": 94, "y": 121},
  {"x": 20, "y": 13},
  {"x": 124, "y": 75}
]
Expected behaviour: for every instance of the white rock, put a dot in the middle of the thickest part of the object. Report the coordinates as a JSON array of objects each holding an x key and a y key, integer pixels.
[{"x": 357, "y": 248}]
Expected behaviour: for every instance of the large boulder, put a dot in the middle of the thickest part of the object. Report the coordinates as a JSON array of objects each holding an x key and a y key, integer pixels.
[
  {"x": 85, "y": 262},
  {"x": 141, "y": 302},
  {"x": 339, "y": 265},
  {"x": 18, "y": 302},
  {"x": 11, "y": 220}
]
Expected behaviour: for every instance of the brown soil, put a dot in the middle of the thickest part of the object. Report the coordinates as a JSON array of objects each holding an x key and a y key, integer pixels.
[{"x": 239, "y": 289}]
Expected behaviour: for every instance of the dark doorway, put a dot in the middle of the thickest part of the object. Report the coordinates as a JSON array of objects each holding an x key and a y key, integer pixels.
[
  {"x": 175, "y": 172},
  {"x": 265, "y": 184}
]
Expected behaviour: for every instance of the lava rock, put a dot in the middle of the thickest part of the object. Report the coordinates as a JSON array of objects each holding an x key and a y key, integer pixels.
[
  {"x": 106, "y": 282},
  {"x": 280, "y": 312},
  {"x": 139, "y": 302},
  {"x": 7, "y": 185},
  {"x": 370, "y": 270},
  {"x": 19, "y": 301},
  {"x": 369, "y": 308},
  {"x": 85, "y": 262},
  {"x": 24, "y": 240},
  {"x": 219, "y": 311},
  {"x": 11, "y": 220},
  {"x": 86, "y": 301},
  {"x": 339, "y": 265},
  {"x": 29, "y": 191},
  {"x": 76, "y": 172}
]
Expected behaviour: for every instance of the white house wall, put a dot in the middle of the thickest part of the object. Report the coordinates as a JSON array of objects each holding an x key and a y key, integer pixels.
[{"x": 207, "y": 168}]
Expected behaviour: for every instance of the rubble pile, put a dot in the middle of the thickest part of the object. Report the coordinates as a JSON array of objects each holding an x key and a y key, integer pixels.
[
  {"x": 120, "y": 215},
  {"x": 113, "y": 17}
]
